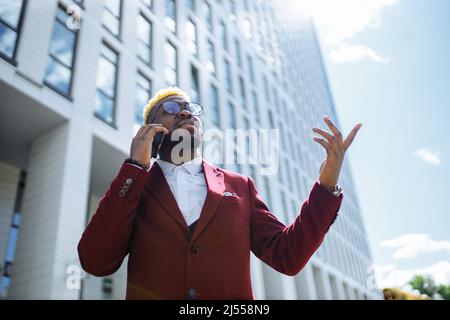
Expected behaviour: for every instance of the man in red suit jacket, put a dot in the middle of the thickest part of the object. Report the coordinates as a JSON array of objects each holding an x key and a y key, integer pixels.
[{"x": 210, "y": 259}]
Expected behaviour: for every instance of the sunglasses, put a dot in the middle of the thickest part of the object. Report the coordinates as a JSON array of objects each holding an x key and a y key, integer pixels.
[{"x": 174, "y": 108}]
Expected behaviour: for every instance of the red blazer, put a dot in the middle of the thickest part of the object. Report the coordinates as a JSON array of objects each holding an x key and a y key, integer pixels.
[{"x": 139, "y": 216}]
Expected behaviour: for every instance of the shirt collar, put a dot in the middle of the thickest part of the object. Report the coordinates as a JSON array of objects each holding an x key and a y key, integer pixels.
[{"x": 193, "y": 166}]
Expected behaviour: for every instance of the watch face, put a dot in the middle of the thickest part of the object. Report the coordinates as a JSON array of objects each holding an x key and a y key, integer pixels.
[{"x": 337, "y": 191}]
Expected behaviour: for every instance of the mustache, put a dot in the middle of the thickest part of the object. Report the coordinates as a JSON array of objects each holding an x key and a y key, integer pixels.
[
  {"x": 175, "y": 137},
  {"x": 184, "y": 121}
]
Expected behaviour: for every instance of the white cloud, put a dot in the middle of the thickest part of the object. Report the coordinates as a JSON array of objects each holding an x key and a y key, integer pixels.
[
  {"x": 352, "y": 53},
  {"x": 431, "y": 156},
  {"x": 339, "y": 21},
  {"x": 411, "y": 245},
  {"x": 389, "y": 276}
]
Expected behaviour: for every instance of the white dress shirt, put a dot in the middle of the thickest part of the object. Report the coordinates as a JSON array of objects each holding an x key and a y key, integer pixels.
[{"x": 188, "y": 185}]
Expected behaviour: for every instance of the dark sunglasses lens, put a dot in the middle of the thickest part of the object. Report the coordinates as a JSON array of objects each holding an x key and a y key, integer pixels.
[
  {"x": 194, "y": 108},
  {"x": 171, "y": 107}
]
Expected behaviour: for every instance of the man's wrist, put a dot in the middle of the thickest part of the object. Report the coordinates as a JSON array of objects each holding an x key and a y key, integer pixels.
[
  {"x": 330, "y": 187},
  {"x": 335, "y": 189},
  {"x": 136, "y": 163}
]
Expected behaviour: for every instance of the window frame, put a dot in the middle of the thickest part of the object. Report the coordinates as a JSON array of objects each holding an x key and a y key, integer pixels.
[
  {"x": 150, "y": 47},
  {"x": 175, "y": 18},
  {"x": 12, "y": 60},
  {"x": 119, "y": 18},
  {"x": 170, "y": 43},
  {"x": 116, "y": 74},
  {"x": 73, "y": 62},
  {"x": 191, "y": 21}
]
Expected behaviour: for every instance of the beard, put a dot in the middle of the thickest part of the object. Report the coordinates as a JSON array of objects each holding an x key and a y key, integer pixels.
[{"x": 184, "y": 141}]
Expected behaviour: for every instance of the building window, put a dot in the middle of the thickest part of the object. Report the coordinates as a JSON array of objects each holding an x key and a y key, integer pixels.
[
  {"x": 171, "y": 15},
  {"x": 144, "y": 38},
  {"x": 111, "y": 16},
  {"x": 256, "y": 109},
  {"x": 231, "y": 117},
  {"x": 170, "y": 69},
  {"x": 58, "y": 75},
  {"x": 233, "y": 12},
  {"x": 211, "y": 63},
  {"x": 106, "y": 85},
  {"x": 242, "y": 92},
  {"x": 11, "y": 245},
  {"x": 143, "y": 93},
  {"x": 266, "y": 88},
  {"x": 247, "y": 139},
  {"x": 251, "y": 72},
  {"x": 107, "y": 288},
  {"x": 207, "y": 13},
  {"x": 148, "y": 3},
  {"x": 191, "y": 4},
  {"x": 11, "y": 13},
  {"x": 223, "y": 36},
  {"x": 267, "y": 189},
  {"x": 271, "y": 120},
  {"x": 214, "y": 102},
  {"x": 237, "y": 47},
  {"x": 228, "y": 77},
  {"x": 247, "y": 26},
  {"x": 194, "y": 90},
  {"x": 191, "y": 35}
]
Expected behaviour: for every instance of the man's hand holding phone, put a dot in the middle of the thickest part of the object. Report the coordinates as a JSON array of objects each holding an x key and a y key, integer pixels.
[{"x": 145, "y": 141}]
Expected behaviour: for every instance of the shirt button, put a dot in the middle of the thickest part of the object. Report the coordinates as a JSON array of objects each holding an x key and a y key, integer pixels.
[
  {"x": 192, "y": 294},
  {"x": 195, "y": 249}
]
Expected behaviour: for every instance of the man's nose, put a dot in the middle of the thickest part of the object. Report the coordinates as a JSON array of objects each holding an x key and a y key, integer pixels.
[{"x": 185, "y": 114}]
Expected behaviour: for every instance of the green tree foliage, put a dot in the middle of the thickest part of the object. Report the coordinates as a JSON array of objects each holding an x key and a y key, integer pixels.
[
  {"x": 444, "y": 291},
  {"x": 426, "y": 285}
]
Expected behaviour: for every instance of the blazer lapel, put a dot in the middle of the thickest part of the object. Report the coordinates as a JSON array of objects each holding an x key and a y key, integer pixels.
[
  {"x": 158, "y": 186},
  {"x": 216, "y": 187}
]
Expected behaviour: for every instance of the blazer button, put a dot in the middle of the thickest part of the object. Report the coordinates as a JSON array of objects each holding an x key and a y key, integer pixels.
[
  {"x": 192, "y": 294},
  {"x": 122, "y": 193},
  {"x": 195, "y": 249}
]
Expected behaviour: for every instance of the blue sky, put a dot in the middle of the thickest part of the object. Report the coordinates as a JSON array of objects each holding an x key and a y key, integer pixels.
[{"x": 389, "y": 68}]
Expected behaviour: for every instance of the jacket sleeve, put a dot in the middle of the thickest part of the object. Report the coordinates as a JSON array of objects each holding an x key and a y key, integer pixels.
[
  {"x": 104, "y": 243},
  {"x": 287, "y": 249}
]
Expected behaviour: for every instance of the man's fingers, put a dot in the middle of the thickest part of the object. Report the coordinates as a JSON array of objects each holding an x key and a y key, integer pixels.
[
  {"x": 145, "y": 128},
  {"x": 337, "y": 134},
  {"x": 155, "y": 127},
  {"x": 322, "y": 142},
  {"x": 348, "y": 141},
  {"x": 154, "y": 130},
  {"x": 324, "y": 134}
]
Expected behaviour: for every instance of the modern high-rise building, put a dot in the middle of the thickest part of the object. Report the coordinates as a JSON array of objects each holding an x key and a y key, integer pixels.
[{"x": 74, "y": 77}]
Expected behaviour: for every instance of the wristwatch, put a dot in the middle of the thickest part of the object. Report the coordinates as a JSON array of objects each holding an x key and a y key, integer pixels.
[
  {"x": 337, "y": 191},
  {"x": 137, "y": 163}
]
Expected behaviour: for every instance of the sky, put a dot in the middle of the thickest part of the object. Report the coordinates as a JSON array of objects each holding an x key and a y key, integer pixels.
[{"x": 388, "y": 63}]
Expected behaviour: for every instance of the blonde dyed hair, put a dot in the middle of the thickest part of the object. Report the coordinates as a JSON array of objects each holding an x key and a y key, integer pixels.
[{"x": 162, "y": 94}]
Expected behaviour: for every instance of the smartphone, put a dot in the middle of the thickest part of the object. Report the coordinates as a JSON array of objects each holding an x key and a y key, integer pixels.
[{"x": 157, "y": 141}]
